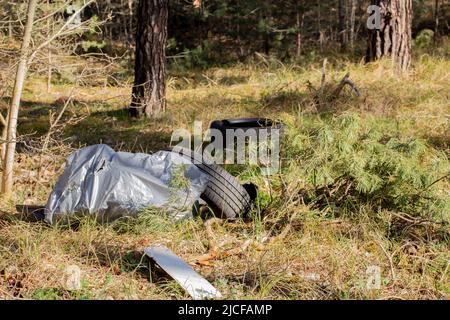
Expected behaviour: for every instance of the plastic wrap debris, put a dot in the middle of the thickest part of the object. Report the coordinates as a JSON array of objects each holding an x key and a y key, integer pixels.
[
  {"x": 97, "y": 180},
  {"x": 197, "y": 286}
]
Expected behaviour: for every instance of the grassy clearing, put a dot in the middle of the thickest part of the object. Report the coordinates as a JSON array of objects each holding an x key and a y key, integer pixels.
[{"x": 360, "y": 187}]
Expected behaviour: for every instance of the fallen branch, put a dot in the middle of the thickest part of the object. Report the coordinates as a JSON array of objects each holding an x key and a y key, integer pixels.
[
  {"x": 214, "y": 252},
  {"x": 438, "y": 180},
  {"x": 346, "y": 81},
  {"x": 415, "y": 221},
  {"x": 325, "y": 93}
]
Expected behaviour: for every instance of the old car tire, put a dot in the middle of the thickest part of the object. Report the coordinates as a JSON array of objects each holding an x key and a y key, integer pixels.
[
  {"x": 246, "y": 124},
  {"x": 224, "y": 194}
]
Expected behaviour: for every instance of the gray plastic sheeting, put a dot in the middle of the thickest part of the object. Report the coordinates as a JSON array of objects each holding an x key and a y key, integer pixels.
[{"x": 97, "y": 180}]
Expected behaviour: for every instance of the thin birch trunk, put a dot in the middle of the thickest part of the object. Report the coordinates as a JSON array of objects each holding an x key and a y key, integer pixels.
[
  {"x": 13, "y": 111},
  {"x": 49, "y": 52}
]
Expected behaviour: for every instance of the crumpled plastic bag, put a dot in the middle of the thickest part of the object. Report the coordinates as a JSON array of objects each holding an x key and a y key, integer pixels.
[{"x": 99, "y": 181}]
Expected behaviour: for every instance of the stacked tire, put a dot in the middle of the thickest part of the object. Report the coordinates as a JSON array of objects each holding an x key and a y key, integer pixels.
[{"x": 223, "y": 194}]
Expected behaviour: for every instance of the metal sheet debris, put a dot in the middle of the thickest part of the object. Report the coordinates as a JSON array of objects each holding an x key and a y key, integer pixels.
[{"x": 197, "y": 286}]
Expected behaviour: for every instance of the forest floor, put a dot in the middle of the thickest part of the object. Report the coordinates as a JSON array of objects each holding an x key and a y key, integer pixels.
[{"x": 315, "y": 251}]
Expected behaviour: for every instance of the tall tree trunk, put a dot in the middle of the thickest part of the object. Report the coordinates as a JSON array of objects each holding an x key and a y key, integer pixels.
[
  {"x": 436, "y": 19},
  {"x": 149, "y": 91},
  {"x": 352, "y": 23},
  {"x": 342, "y": 29},
  {"x": 319, "y": 26},
  {"x": 394, "y": 38},
  {"x": 241, "y": 51},
  {"x": 300, "y": 21},
  {"x": 13, "y": 111},
  {"x": 49, "y": 51},
  {"x": 130, "y": 19}
]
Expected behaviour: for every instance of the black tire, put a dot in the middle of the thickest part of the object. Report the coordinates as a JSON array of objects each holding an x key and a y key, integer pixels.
[
  {"x": 224, "y": 194},
  {"x": 246, "y": 124}
]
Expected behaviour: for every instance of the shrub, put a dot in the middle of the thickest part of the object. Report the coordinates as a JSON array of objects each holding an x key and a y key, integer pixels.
[
  {"x": 347, "y": 163},
  {"x": 424, "y": 38}
]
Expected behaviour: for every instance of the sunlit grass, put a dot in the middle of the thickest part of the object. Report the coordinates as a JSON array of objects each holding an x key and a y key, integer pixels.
[{"x": 325, "y": 254}]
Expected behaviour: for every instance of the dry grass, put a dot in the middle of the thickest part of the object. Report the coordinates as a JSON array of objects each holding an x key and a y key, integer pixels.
[{"x": 318, "y": 257}]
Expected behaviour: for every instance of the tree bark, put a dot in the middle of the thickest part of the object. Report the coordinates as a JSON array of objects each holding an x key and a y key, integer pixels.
[
  {"x": 352, "y": 23},
  {"x": 394, "y": 38},
  {"x": 13, "y": 111},
  {"x": 149, "y": 91}
]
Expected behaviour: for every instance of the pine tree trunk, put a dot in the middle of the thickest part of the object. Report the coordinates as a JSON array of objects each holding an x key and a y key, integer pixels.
[
  {"x": 13, "y": 112},
  {"x": 394, "y": 39},
  {"x": 149, "y": 91}
]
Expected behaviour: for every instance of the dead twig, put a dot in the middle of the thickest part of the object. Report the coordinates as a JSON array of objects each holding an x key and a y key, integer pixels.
[
  {"x": 445, "y": 272},
  {"x": 436, "y": 181},
  {"x": 50, "y": 131},
  {"x": 59, "y": 33},
  {"x": 389, "y": 257},
  {"x": 415, "y": 221}
]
